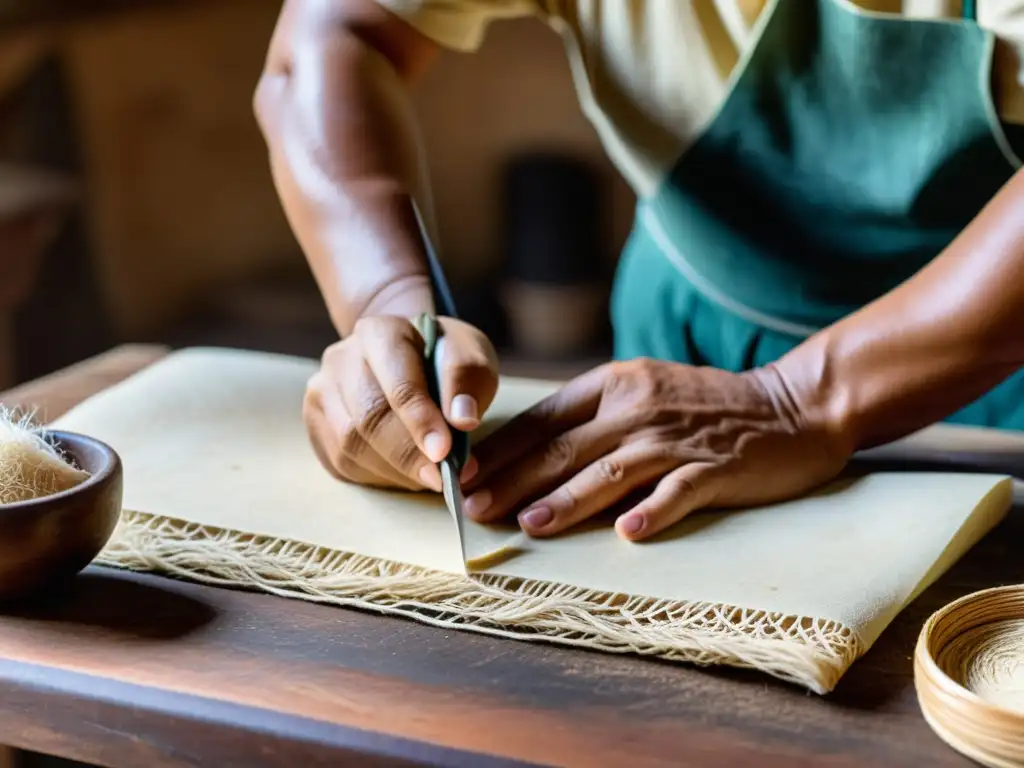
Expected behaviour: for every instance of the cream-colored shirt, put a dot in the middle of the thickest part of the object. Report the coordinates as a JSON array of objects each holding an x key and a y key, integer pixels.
[{"x": 651, "y": 74}]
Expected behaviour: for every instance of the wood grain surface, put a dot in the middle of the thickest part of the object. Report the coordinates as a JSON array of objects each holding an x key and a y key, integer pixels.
[{"x": 138, "y": 670}]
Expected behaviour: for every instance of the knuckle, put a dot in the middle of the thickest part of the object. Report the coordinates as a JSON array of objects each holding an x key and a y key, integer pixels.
[
  {"x": 618, "y": 377},
  {"x": 634, "y": 380},
  {"x": 313, "y": 399},
  {"x": 406, "y": 456},
  {"x": 341, "y": 467},
  {"x": 415, "y": 406},
  {"x": 566, "y": 500},
  {"x": 374, "y": 417},
  {"x": 331, "y": 454},
  {"x": 407, "y": 396},
  {"x": 645, "y": 374},
  {"x": 644, "y": 367},
  {"x": 610, "y": 471},
  {"x": 350, "y": 444},
  {"x": 559, "y": 454},
  {"x": 348, "y": 469},
  {"x": 681, "y": 487},
  {"x": 316, "y": 381},
  {"x": 668, "y": 451},
  {"x": 543, "y": 411},
  {"x": 332, "y": 354}
]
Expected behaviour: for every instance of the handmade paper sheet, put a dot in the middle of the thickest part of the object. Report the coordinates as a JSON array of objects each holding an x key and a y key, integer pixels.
[{"x": 221, "y": 485}]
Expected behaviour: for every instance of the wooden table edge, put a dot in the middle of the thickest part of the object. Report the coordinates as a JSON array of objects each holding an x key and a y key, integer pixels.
[{"x": 111, "y": 705}]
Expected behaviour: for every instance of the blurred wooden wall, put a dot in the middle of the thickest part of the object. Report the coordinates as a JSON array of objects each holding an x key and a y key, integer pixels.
[{"x": 180, "y": 197}]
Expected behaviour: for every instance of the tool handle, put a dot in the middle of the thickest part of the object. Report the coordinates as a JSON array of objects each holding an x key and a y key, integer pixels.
[
  {"x": 443, "y": 301},
  {"x": 431, "y": 332}
]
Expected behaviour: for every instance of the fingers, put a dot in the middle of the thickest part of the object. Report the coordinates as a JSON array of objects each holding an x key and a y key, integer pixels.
[
  {"x": 393, "y": 351},
  {"x": 685, "y": 490},
  {"x": 596, "y": 488},
  {"x": 538, "y": 473},
  {"x": 379, "y": 426},
  {"x": 338, "y": 445},
  {"x": 469, "y": 471},
  {"x": 387, "y": 425},
  {"x": 574, "y": 404},
  {"x": 469, "y": 374}
]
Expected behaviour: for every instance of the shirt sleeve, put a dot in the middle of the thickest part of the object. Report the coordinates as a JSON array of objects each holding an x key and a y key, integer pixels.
[{"x": 459, "y": 24}]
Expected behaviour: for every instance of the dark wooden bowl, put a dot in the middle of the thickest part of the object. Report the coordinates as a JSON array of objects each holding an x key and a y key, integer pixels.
[{"x": 48, "y": 540}]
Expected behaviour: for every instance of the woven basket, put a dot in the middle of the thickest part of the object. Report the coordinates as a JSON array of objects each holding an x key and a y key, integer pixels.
[{"x": 969, "y": 675}]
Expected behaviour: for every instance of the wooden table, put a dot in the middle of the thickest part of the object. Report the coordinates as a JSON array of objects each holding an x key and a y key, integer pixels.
[{"x": 133, "y": 670}]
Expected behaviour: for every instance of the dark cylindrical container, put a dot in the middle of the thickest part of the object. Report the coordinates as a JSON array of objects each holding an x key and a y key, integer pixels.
[
  {"x": 552, "y": 222},
  {"x": 554, "y": 290}
]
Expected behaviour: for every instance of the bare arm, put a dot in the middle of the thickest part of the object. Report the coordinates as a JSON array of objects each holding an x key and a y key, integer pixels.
[
  {"x": 345, "y": 154},
  {"x": 936, "y": 343},
  {"x": 347, "y": 163}
]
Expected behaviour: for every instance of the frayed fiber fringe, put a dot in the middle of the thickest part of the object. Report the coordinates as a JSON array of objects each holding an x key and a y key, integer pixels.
[{"x": 810, "y": 652}]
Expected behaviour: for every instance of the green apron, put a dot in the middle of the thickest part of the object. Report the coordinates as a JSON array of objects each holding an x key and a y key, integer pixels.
[{"x": 853, "y": 147}]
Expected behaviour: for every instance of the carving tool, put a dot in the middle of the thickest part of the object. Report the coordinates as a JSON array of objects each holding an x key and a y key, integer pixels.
[{"x": 451, "y": 466}]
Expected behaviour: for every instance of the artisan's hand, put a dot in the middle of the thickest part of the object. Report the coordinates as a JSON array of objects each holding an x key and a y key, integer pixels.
[
  {"x": 370, "y": 416},
  {"x": 690, "y": 437}
]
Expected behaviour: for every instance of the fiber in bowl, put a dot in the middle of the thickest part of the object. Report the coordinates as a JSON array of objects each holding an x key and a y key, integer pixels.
[
  {"x": 32, "y": 466},
  {"x": 63, "y": 500}
]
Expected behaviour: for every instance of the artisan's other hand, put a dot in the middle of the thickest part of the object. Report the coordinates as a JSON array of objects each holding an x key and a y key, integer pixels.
[
  {"x": 368, "y": 410},
  {"x": 687, "y": 437}
]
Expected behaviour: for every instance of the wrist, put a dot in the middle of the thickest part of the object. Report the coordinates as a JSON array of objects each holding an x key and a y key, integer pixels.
[
  {"x": 811, "y": 386},
  {"x": 405, "y": 296}
]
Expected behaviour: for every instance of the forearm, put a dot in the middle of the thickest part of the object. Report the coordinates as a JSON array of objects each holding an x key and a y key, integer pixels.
[
  {"x": 931, "y": 346},
  {"x": 345, "y": 154}
]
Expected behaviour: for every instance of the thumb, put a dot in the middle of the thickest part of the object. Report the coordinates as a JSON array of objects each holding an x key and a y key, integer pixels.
[{"x": 468, "y": 368}]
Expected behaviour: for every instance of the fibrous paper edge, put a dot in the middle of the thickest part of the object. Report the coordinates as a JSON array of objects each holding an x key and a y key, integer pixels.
[{"x": 812, "y": 652}]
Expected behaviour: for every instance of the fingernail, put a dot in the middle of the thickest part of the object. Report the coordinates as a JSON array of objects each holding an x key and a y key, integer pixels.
[
  {"x": 433, "y": 444},
  {"x": 632, "y": 524},
  {"x": 469, "y": 471},
  {"x": 430, "y": 477},
  {"x": 536, "y": 518},
  {"x": 478, "y": 503},
  {"x": 464, "y": 408}
]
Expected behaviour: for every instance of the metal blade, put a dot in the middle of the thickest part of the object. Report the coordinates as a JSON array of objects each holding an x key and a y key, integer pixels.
[{"x": 454, "y": 499}]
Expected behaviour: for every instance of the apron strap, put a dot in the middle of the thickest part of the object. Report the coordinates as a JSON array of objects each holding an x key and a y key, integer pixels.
[{"x": 970, "y": 10}]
